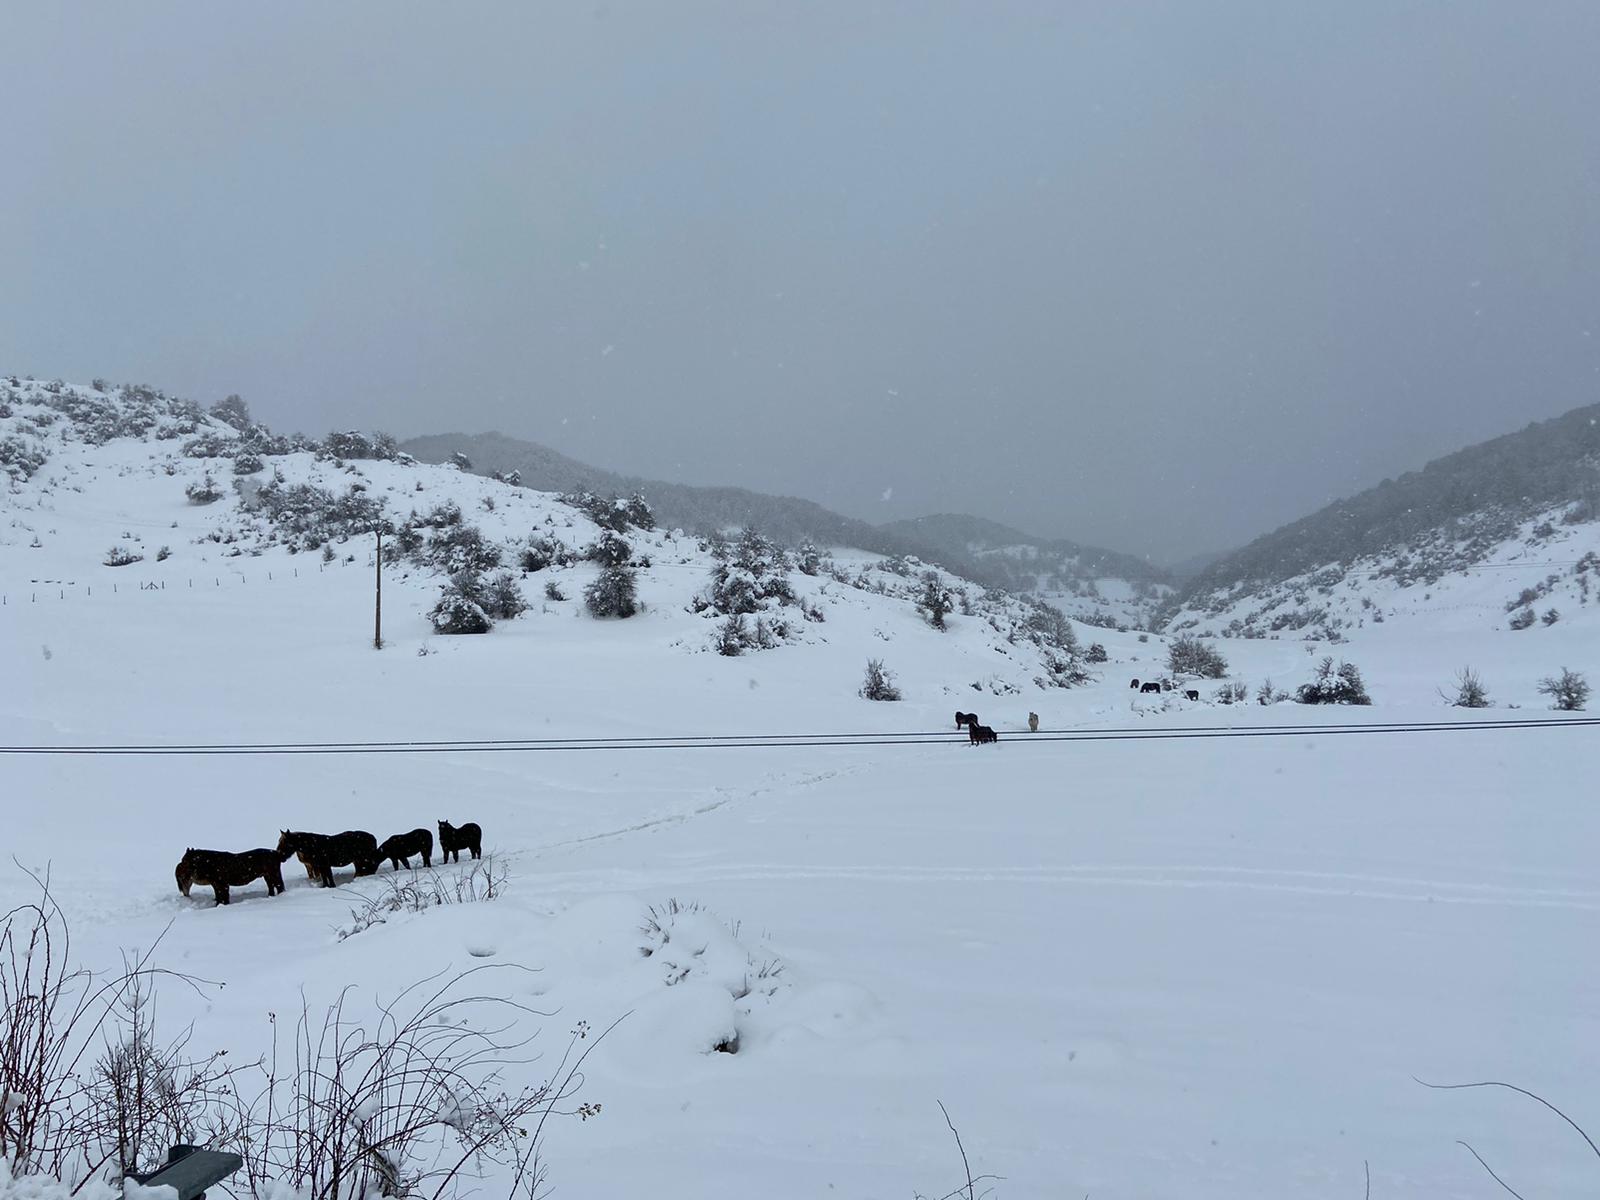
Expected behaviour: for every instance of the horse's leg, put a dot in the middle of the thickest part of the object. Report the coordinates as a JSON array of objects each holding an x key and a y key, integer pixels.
[{"x": 221, "y": 889}]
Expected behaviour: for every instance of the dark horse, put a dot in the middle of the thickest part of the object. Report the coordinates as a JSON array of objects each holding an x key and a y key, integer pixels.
[
  {"x": 320, "y": 853},
  {"x": 453, "y": 841},
  {"x": 966, "y": 720},
  {"x": 1149, "y": 687},
  {"x": 977, "y": 734},
  {"x": 400, "y": 848},
  {"x": 220, "y": 870}
]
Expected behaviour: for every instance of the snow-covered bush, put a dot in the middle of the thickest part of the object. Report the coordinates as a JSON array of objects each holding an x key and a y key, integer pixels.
[
  {"x": 610, "y": 549},
  {"x": 1341, "y": 685},
  {"x": 247, "y": 464},
  {"x": 1551, "y": 616},
  {"x": 935, "y": 601},
  {"x": 460, "y": 461},
  {"x": 502, "y": 597},
  {"x": 459, "y": 608},
  {"x": 808, "y": 560},
  {"x": 1470, "y": 692},
  {"x": 307, "y": 516},
  {"x": 1096, "y": 653},
  {"x": 1188, "y": 655},
  {"x": 21, "y": 458},
  {"x": 543, "y": 551},
  {"x": 122, "y": 556},
  {"x": 613, "y": 512},
  {"x": 460, "y": 547},
  {"x": 207, "y": 491},
  {"x": 1524, "y": 619},
  {"x": 233, "y": 411},
  {"x": 552, "y": 591},
  {"x": 878, "y": 683},
  {"x": 1568, "y": 691},
  {"x": 614, "y": 593}
]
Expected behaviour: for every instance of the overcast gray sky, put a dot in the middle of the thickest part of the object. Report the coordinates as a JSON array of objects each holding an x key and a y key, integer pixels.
[{"x": 1158, "y": 276}]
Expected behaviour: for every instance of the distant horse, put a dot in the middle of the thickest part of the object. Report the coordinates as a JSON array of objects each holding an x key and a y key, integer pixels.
[
  {"x": 1033, "y": 722},
  {"x": 220, "y": 870},
  {"x": 453, "y": 841},
  {"x": 320, "y": 853},
  {"x": 1149, "y": 687},
  {"x": 400, "y": 848},
  {"x": 967, "y": 719},
  {"x": 1191, "y": 695},
  {"x": 1134, "y": 684},
  {"x": 977, "y": 734}
]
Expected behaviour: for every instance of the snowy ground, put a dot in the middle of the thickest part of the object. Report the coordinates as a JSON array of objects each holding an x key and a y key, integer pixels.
[{"x": 1128, "y": 969}]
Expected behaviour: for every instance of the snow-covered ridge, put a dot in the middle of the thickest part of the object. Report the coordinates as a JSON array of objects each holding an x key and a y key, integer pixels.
[{"x": 126, "y": 488}]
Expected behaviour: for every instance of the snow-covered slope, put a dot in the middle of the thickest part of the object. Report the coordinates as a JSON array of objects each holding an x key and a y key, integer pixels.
[
  {"x": 1206, "y": 967},
  {"x": 1477, "y": 536}
]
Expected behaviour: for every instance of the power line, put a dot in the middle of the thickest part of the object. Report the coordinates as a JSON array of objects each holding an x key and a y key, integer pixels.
[{"x": 793, "y": 741}]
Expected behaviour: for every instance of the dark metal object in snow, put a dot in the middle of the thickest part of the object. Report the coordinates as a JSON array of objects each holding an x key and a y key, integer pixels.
[{"x": 191, "y": 1170}]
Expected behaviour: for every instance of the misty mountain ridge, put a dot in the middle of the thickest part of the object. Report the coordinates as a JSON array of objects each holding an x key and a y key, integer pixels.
[
  {"x": 1092, "y": 584},
  {"x": 1497, "y": 530}
]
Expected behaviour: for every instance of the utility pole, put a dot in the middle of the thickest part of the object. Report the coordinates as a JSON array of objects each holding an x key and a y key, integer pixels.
[{"x": 377, "y": 607}]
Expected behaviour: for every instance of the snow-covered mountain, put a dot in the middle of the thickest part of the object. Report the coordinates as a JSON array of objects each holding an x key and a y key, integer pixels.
[{"x": 1499, "y": 535}]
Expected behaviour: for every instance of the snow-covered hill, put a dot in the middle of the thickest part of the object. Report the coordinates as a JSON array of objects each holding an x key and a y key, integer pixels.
[
  {"x": 1496, "y": 535},
  {"x": 127, "y": 489}
]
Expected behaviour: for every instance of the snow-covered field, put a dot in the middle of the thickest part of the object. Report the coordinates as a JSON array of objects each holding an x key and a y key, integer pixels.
[{"x": 1198, "y": 968}]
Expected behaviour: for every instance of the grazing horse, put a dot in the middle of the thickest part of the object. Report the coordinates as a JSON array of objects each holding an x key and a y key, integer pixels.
[
  {"x": 1191, "y": 695},
  {"x": 400, "y": 848},
  {"x": 1149, "y": 687},
  {"x": 966, "y": 719},
  {"x": 1134, "y": 684},
  {"x": 1033, "y": 722},
  {"x": 977, "y": 734},
  {"x": 220, "y": 870},
  {"x": 320, "y": 853},
  {"x": 453, "y": 841}
]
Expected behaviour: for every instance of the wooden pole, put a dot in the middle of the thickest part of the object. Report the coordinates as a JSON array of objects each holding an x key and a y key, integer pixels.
[{"x": 377, "y": 610}]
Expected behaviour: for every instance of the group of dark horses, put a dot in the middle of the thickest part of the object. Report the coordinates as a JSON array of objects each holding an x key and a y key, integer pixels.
[
  {"x": 977, "y": 735},
  {"x": 1164, "y": 685},
  {"x": 320, "y": 853}
]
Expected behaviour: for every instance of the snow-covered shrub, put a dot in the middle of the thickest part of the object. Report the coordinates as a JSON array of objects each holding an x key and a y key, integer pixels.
[
  {"x": 1096, "y": 653},
  {"x": 502, "y": 597},
  {"x": 1568, "y": 691},
  {"x": 614, "y": 593},
  {"x": 460, "y": 461},
  {"x": 610, "y": 549},
  {"x": 1551, "y": 616},
  {"x": 308, "y": 516},
  {"x": 1341, "y": 685},
  {"x": 1236, "y": 692},
  {"x": 1267, "y": 694},
  {"x": 878, "y": 683},
  {"x": 552, "y": 591},
  {"x": 1188, "y": 655},
  {"x": 542, "y": 551},
  {"x": 808, "y": 560},
  {"x": 1523, "y": 619},
  {"x": 163, "y": 554},
  {"x": 213, "y": 443},
  {"x": 207, "y": 491},
  {"x": 935, "y": 600},
  {"x": 247, "y": 464},
  {"x": 122, "y": 556},
  {"x": 417, "y": 891},
  {"x": 460, "y": 547},
  {"x": 21, "y": 458},
  {"x": 233, "y": 411},
  {"x": 730, "y": 637},
  {"x": 459, "y": 608},
  {"x": 1470, "y": 692}
]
